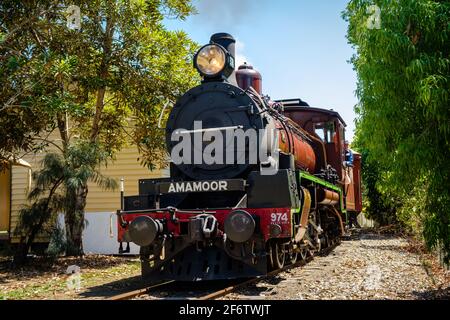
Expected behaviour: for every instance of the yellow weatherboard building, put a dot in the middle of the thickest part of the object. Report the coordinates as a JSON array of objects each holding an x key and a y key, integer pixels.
[{"x": 15, "y": 180}]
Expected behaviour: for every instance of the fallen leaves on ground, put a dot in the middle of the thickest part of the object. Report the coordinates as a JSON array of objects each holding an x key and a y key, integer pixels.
[{"x": 44, "y": 279}]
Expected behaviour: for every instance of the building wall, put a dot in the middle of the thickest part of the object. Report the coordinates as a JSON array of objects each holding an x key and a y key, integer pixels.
[
  {"x": 5, "y": 198},
  {"x": 126, "y": 165},
  {"x": 19, "y": 187}
]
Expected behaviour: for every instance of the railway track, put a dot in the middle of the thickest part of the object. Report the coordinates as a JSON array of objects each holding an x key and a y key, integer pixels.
[
  {"x": 208, "y": 293},
  {"x": 136, "y": 293},
  {"x": 225, "y": 291}
]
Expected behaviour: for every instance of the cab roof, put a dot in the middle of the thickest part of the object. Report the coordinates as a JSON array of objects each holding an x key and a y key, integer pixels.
[{"x": 300, "y": 105}]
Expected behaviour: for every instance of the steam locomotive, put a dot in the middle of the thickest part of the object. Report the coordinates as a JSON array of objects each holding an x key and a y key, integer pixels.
[{"x": 278, "y": 190}]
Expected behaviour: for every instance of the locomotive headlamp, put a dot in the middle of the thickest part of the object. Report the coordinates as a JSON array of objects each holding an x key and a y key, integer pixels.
[
  {"x": 239, "y": 226},
  {"x": 213, "y": 60}
]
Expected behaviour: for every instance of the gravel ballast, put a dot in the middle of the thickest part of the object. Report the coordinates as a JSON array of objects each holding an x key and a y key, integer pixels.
[{"x": 369, "y": 266}]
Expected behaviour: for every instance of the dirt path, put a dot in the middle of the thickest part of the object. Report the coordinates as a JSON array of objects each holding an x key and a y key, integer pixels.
[{"x": 370, "y": 266}]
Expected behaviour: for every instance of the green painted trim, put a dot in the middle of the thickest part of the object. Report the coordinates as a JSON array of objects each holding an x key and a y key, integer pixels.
[
  {"x": 312, "y": 178},
  {"x": 326, "y": 184}
]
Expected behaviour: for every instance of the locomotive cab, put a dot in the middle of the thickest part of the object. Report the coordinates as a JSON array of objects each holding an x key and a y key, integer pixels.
[
  {"x": 329, "y": 127},
  {"x": 326, "y": 125}
]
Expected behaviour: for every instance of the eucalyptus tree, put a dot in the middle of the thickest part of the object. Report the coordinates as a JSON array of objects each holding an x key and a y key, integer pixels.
[
  {"x": 402, "y": 63},
  {"x": 95, "y": 71}
]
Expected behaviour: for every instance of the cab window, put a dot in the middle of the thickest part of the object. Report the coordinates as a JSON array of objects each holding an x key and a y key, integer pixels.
[
  {"x": 325, "y": 131},
  {"x": 319, "y": 130}
]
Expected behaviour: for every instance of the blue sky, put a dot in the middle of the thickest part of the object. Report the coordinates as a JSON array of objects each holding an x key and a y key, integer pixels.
[{"x": 299, "y": 46}]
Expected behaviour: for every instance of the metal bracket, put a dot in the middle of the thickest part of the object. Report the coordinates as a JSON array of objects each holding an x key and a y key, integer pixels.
[
  {"x": 209, "y": 225},
  {"x": 317, "y": 228}
]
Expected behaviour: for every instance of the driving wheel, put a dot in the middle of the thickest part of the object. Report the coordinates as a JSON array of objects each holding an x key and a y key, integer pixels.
[{"x": 278, "y": 256}]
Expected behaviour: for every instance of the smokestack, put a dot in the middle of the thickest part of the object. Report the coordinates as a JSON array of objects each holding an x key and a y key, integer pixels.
[{"x": 227, "y": 41}]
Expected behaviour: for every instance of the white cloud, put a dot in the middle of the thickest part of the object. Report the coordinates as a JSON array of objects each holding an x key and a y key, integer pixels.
[
  {"x": 240, "y": 55},
  {"x": 224, "y": 14}
]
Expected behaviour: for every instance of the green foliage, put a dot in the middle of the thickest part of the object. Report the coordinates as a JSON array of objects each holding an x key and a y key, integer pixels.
[
  {"x": 57, "y": 245},
  {"x": 404, "y": 115},
  {"x": 97, "y": 85},
  {"x": 378, "y": 205},
  {"x": 122, "y": 63}
]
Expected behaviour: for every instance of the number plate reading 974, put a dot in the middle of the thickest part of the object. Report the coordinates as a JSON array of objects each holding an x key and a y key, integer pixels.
[{"x": 279, "y": 217}]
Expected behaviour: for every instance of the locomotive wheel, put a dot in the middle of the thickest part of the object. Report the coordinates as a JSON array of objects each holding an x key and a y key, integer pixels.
[
  {"x": 278, "y": 256},
  {"x": 338, "y": 240},
  {"x": 318, "y": 245},
  {"x": 269, "y": 256},
  {"x": 332, "y": 241},
  {"x": 303, "y": 254},
  {"x": 326, "y": 242},
  {"x": 292, "y": 257}
]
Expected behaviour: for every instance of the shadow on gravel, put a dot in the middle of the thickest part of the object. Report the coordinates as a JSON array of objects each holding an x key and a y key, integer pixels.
[
  {"x": 114, "y": 288},
  {"x": 435, "y": 294},
  {"x": 253, "y": 291},
  {"x": 273, "y": 280},
  {"x": 375, "y": 236},
  {"x": 174, "y": 290}
]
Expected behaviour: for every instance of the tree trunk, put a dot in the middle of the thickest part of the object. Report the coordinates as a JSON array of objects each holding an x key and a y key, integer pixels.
[
  {"x": 74, "y": 221},
  {"x": 20, "y": 254},
  {"x": 75, "y": 210},
  {"x": 103, "y": 74}
]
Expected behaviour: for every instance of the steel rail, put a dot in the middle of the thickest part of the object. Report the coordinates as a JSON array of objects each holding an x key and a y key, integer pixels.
[
  {"x": 138, "y": 292},
  {"x": 228, "y": 290}
]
